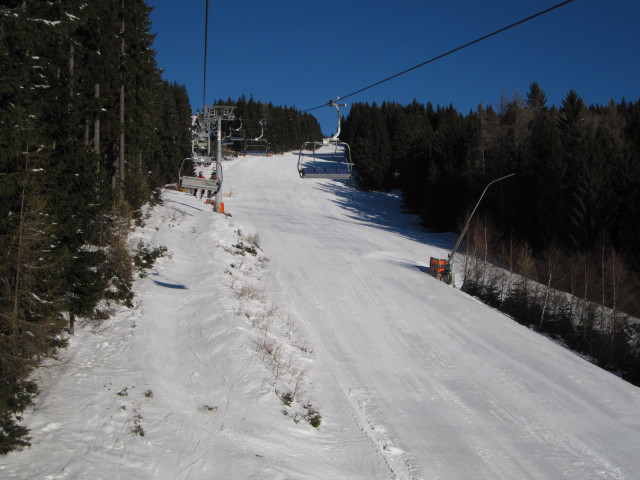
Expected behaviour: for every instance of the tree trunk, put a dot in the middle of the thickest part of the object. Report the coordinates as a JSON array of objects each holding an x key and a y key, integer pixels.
[
  {"x": 121, "y": 164},
  {"x": 96, "y": 127}
]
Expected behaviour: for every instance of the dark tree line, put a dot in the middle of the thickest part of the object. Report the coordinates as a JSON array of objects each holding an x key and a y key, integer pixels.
[
  {"x": 574, "y": 202},
  {"x": 286, "y": 128},
  {"x": 577, "y": 182},
  {"x": 88, "y": 130}
]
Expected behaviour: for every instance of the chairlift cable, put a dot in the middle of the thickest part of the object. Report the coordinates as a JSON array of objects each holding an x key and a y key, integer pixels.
[
  {"x": 431, "y": 60},
  {"x": 206, "y": 42}
]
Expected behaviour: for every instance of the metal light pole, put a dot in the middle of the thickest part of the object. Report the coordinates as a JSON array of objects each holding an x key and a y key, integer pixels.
[{"x": 466, "y": 227}]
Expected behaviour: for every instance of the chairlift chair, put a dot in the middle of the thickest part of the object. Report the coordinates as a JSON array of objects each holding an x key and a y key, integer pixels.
[
  {"x": 191, "y": 182},
  {"x": 330, "y": 158},
  {"x": 237, "y": 134},
  {"x": 323, "y": 160},
  {"x": 258, "y": 145},
  {"x": 226, "y": 141}
]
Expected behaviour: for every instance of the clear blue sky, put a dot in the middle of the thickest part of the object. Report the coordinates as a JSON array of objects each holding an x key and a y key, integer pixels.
[{"x": 303, "y": 53}]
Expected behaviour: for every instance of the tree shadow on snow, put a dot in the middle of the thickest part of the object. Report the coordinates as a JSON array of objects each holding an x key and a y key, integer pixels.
[{"x": 384, "y": 211}]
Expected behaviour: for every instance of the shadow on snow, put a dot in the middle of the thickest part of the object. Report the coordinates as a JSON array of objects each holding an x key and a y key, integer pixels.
[
  {"x": 383, "y": 211},
  {"x": 168, "y": 283}
]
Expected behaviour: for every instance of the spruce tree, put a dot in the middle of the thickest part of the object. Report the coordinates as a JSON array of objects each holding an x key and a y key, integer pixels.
[{"x": 62, "y": 66}]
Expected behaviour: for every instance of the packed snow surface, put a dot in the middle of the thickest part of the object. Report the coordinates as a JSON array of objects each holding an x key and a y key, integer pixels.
[{"x": 232, "y": 350}]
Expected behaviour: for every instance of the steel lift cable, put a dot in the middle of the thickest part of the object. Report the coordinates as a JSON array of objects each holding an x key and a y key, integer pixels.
[{"x": 457, "y": 49}]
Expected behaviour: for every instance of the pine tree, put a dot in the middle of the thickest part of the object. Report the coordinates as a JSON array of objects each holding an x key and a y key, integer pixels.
[
  {"x": 536, "y": 98},
  {"x": 417, "y": 164},
  {"x": 62, "y": 66},
  {"x": 582, "y": 179},
  {"x": 399, "y": 138},
  {"x": 28, "y": 310}
]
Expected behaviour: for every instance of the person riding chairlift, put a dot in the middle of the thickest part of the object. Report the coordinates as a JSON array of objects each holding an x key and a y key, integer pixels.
[
  {"x": 195, "y": 191},
  {"x": 213, "y": 177}
]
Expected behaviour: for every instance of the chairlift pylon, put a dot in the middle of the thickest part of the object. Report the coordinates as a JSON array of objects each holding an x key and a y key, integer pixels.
[{"x": 330, "y": 158}]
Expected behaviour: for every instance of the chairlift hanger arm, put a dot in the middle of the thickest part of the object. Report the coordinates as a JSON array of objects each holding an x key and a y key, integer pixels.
[
  {"x": 332, "y": 103},
  {"x": 261, "y": 131},
  {"x": 190, "y": 159}
]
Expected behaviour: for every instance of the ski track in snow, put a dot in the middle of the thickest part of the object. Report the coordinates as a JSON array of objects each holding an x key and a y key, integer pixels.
[{"x": 394, "y": 457}]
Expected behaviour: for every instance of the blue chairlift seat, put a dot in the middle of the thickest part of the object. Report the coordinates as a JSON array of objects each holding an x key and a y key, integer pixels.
[{"x": 327, "y": 159}]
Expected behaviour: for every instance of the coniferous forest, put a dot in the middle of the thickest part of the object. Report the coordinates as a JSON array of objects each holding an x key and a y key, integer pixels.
[
  {"x": 88, "y": 130},
  {"x": 577, "y": 167},
  {"x": 568, "y": 220}
]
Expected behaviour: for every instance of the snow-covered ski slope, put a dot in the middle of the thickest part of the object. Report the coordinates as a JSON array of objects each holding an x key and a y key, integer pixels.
[{"x": 413, "y": 379}]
